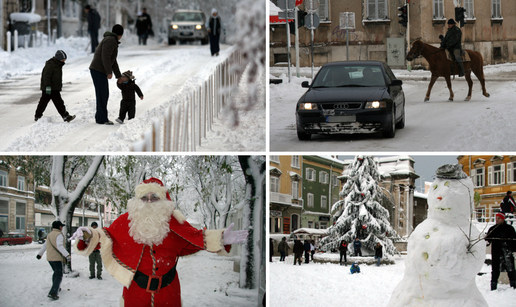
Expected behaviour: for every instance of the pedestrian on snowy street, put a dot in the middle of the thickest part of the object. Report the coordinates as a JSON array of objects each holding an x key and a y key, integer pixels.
[
  {"x": 357, "y": 245},
  {"x": 378, "y": 253},
  {"x": 142, "y": 247},
  {"x": 502, "y": 239},
  {"x": 56, "y": 256},
  {"x": 94, "y": 257},
  {"x": 354, "y": 268},
  {"x": 283, "y": 249},
  {"x": 214, "y": 27},
  {"x": 143, "y": 27},
  {"x": 102, "y": 67},
  {"x": 51, "y": 85},
  {"x": 312, "y": 249},
  {"x": 343, "y": 249},
  {"x": 271, "y": 249},
  {"x": 298, "y": 251},
  {"x": 508, "y": 205},
  {"x": 307, "y": 249},
  {"x": 128, "y": 103},
  {"x": 93, "y": 26}
]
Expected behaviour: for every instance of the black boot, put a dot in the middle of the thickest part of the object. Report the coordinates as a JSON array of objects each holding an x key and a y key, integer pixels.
[
  {"x": 461, "y": 69},
  {"x": 513, "y": 283},
  {"x": 493, "y": 285}
]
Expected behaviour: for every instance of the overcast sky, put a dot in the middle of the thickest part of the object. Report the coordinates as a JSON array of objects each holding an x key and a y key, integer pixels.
[{"x": 424, "y": 166}]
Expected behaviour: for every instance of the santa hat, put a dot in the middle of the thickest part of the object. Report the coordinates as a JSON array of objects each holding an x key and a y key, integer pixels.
[
  {"x": 152, "y": 185},
  {"x": 501, "y": 215}
]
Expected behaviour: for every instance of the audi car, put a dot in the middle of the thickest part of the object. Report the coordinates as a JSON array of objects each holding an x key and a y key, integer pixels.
[
  {"x": 188, "y": 25},
  {"x": 351, "y": 97}
]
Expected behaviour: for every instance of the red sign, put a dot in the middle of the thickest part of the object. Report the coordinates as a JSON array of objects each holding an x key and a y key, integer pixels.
[{"x": 286, "y": 225}]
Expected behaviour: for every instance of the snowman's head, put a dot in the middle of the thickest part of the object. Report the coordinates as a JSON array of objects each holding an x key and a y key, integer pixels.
[{"x": 451, "y": 195}]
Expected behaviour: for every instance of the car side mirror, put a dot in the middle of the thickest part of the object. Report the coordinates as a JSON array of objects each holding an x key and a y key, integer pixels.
[
  {"x": 305, "y": 84},
  {"x": 396, "y": 82}
]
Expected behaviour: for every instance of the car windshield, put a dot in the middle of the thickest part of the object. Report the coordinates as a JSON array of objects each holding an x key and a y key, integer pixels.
[
  {"x": 349, "y": 76},
  {"x": 188, "y": 16}
]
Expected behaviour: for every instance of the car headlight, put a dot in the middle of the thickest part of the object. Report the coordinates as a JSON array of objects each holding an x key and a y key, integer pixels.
[
  {"x": 375, "y": 105},
  {"x": 198, "y": 27},
  {"x": 308, "y": 106},
  {"x": 174, "y": 27}
]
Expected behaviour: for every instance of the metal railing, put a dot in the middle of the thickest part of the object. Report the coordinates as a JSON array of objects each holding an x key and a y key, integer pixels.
[{"x": 184, "y": 125}]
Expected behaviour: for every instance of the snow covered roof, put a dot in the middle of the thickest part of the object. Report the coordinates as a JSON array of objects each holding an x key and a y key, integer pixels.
[
  {"x": 387, "y": 166},
  {"x": 332, "y": 159},
  {"x": 310, "y": 231}
]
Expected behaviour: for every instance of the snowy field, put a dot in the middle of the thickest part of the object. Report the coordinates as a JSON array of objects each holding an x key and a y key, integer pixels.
[
  {"x": 165, "y": 74},
  {"x": 437, "y": 125},
  {"x": 327, "y": 284},
  {"x": 206, "y": 280}
]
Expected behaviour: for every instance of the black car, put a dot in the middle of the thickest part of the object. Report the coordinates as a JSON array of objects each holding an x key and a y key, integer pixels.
[{"x": 351, "y": 97}]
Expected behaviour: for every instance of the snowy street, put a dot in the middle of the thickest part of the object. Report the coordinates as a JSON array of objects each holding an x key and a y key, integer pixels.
[
  {"x": 206, "y": 280},
  {"x": 438, "y": 125},
  {"x": 317, "y": 284},
  {"x": 165, "y": 74}
]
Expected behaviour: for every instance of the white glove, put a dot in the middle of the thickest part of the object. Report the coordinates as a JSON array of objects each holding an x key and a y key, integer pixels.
[
  {"x": 78, "y": 234},
  {"x": 233, "y": 237}
]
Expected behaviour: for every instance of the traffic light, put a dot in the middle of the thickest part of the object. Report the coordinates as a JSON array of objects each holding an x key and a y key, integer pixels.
[
  {"x": 460, "y": 15},
  {"x": 403, "y": 16},
  {"x": 300, "y": 22}
]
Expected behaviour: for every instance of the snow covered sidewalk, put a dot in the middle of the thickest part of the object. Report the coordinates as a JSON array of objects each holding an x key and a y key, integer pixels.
[
  {"x": 316, "y": 284},
  {"x": 206, "y": 280}
]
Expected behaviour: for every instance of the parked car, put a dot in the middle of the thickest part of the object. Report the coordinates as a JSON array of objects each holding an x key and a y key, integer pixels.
[
  {"x": 351, "y": 97},
  {"x": 188, "y": 25},
  {"x": 15, "y": 238}
]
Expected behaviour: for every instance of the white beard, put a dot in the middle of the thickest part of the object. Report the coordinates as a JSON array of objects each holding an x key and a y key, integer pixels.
[{"x": 149, "y": 222}]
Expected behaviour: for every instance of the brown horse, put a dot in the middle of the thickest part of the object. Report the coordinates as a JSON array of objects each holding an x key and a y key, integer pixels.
[{"x": 440, "y": 66}]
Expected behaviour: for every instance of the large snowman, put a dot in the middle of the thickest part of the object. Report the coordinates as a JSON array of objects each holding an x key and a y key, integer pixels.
[{"x": 440, "y": 271}]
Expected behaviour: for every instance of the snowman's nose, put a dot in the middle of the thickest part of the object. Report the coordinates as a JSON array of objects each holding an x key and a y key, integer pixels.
[{"x": 439, "y": 198}]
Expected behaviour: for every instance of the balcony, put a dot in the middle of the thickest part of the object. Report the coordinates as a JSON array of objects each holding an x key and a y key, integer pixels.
[{"x": 281, "y": 198}]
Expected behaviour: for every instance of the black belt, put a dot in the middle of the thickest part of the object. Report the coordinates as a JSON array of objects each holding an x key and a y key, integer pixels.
[{"x": 153, "y": 284}]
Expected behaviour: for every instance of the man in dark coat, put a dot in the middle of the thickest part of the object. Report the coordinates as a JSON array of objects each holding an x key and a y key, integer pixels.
[
  {"x": 343, "y": 249},
  {"x": 93, "y": 26},
  {"x": 102, "y": 67},
  {"x": 502, "y": 239},
  {"x": 283, "y": 249},
  {"x": 143, "y": 27},
  {"x": 307, "y": 249},
  {"x": 357, "y": 245},
  {"x": 298, "y": 251},
  {"x": 214, "y": 29},
  {"x": 508, "y": 205},
  {"x": 452, "y": 42},
  {"x": 51, "y": 85}
]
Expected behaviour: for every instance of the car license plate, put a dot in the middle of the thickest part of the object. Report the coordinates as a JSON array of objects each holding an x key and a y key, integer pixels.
[
  {"x": 186, "y": 33},
  {"x": 341, "y": 119}
]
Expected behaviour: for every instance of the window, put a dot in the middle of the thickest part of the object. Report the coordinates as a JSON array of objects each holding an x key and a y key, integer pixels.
[
  {"x": 295, "y": 161},
  {"x": 20, "y": 208},
  {"x": 322, "y": 11},
  {"x": 275, "y": 184},
  {"x": 477, "y": 175},
  {"x": 323, "y": 177},
  {"x": 275, "y": 224},
  {"x": 294, "y": 220},
  {"x": 3, "y": 178},
  {"x": 4, "y": 207},
  {"x": 324, "y": 202},
  {"x": 377, "y": 9},
  {"x": 438, "y": 6},
  {"x": 310, "y": 174},
  {"x": 21, "y": 183},
  {"x": 310, "y": 202},
  {"x": 334, "y": 180},
  {"x": 496, "y": 9},
  {"x": 468, "y": 5},
  {"x": 511, "y": 172},
  {"x": 295, "y": 189},
  {"x": 323, "y": 225},
  {"x": 496, "y": 174},
  {"x": 274, "y": 159},
  {"x": 310, "y": 224}
]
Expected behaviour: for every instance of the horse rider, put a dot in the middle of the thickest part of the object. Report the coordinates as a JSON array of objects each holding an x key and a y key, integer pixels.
[{"x": 452, "y": 42}]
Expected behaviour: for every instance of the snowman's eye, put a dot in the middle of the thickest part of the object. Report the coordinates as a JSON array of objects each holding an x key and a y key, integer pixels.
[
  {"x": 435, "y": 186},
  {"x": 447, "y": 184}
]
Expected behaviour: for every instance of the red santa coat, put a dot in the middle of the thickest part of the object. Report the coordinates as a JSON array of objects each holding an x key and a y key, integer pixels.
[{"x": 121, "y": 255}]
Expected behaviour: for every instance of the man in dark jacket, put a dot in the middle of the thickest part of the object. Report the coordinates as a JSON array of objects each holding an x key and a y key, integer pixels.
[
  {"x": 283, "y": 248},
  {"x": 343, "y": 249},
  {"x": 51, "y": 85},
  {"x": 452, "y": 42},
  {"x": 128, "y": 102},
  {"x": 214, "y": 29},
  {"x": 357, "y": 245},
  {"x": 93, "y": 26},
  {"x": 307, "y": 249},
  {"x": 143, "y": 27},
  {"x": 502, "y": 239},
  {"x": 508, "y": 205},
  {"x": 298, "y": 251},
  {"x": 102, "y": 67}
]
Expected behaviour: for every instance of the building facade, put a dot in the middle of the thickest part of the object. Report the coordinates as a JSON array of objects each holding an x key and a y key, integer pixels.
[
  {"x": 16, "y": 200},
  {"x": 377, "y": 34},
  {"x": 492, "y": 177}
]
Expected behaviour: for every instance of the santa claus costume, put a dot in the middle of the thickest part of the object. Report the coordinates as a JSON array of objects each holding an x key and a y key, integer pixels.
[{"x": 142, "y": 247}]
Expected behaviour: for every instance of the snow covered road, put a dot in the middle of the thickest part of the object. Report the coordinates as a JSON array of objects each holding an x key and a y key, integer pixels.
[
  {"x": 164, "y": 73},
  {"x": 482, "y": 124}
]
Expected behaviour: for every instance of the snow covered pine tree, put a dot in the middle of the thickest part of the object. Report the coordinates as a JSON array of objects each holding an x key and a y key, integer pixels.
[{"x": 360, "y": 214}]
